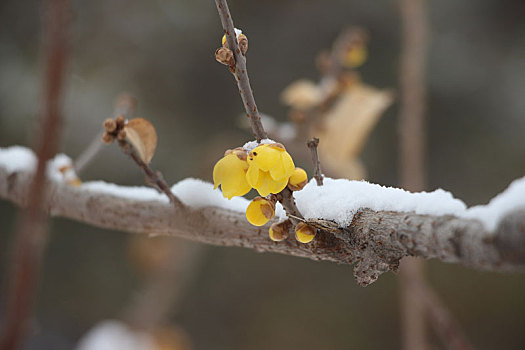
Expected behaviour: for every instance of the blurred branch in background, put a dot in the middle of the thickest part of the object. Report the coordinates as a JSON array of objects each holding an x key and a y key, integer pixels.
[
  {"x": 32, "y": 226},
  {"x": 412, "y": 150},
  {"x": 418, "y": 300},
  {"x": 125, "y": 106},
  {"x": 340, "y": 109}
]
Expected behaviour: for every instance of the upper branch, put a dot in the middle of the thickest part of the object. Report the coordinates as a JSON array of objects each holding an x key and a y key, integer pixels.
[
  {"x": 240, "y": 72},
  {"x": 374, "y": 241}
]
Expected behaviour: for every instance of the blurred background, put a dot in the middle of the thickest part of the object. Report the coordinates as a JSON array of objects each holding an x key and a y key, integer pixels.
[{"x": 162, "y": 51}]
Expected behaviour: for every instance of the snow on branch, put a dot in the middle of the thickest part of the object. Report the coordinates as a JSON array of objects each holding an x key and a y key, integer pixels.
[{"x": 362, "y": 223}]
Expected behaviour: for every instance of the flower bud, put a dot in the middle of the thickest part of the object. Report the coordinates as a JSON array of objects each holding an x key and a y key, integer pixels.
[
  {"x": 260, "y": 211},
  {"x": 107, "y": 138},
  {"x": 110, "y": 125},
  {"x": 243, "y": 43},
  {"x": 298, "y": 180},
  {"x": 279, "y": 230},
  {"x": 225, "y": 56},
  {"x": 120, "y": 120},
  {"x": 121, "y": 136},
  {"x": 304, "y": 233}
]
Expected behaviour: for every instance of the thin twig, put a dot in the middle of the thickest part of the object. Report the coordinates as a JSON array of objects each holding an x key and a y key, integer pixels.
[
  {"x": 154, "y": 178},
  {"x": 240, "y": 72},
  {"x": 446, "y": 327},
  {"x": 416, "y": 306},
  {"x": 243, "y": 83},
  {"x": 31, "y": 232},
  {"x": 163, "y": 294},
  {"x": 124, "y": 106},
  {"x": 312, "y": 145}
]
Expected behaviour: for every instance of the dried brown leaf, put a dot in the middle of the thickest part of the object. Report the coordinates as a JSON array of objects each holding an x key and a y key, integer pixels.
[
  {"x": 302, "y": 94},
  {"x": 142, "y": 135},
  {"x": 346, "y": 127}
]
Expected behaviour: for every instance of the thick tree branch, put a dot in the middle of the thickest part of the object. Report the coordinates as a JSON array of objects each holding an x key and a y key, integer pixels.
[{"x": 375, "y": 241}]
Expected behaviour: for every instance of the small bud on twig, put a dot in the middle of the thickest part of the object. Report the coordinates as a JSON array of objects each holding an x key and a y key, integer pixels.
[
  {"x": 225, "y": 56},
  {"x": 107, "y": 138},
  {"x": 121, "y": 136},
  {"x": 243, "y": 44},
  {"x": 110, "y": 125},
  {"x": 279, "y": 230},
  {"x": 120, "y": 120}
]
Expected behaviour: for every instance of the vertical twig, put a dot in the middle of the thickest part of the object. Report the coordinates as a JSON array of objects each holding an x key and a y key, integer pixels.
[
  {"x": 412, "y": 158},
  {"x": 446, "y": 327},
  {"x": 312, "y": 145},
  {"x": 418, "y": 300},
  {"x": 243, "y": 83},
  {"x": 31, "y": 230},
  {"x": 162, "y": 295},
  {"x": 240, "y": 72}
]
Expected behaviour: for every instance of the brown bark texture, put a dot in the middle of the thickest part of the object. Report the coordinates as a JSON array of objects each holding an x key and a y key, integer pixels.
[{"x": 374, "y": 242}]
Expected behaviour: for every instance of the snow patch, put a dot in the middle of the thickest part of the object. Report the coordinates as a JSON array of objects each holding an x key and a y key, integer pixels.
[
  {"x": 111, "y": 335},
  {"x": 340, "y": 199},
  {"x": 17, "y": 158},
  {"x": 505, "y": 202},
  {"x": 251, "y": 145}
]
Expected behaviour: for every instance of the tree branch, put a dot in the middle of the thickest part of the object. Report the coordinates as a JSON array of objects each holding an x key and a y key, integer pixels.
[
  {"x": 374, "y": 241},
  {"x": 312, "y": 145},
  {"x": 240, "y": 72},
  {"x": 31, "y": 230}
]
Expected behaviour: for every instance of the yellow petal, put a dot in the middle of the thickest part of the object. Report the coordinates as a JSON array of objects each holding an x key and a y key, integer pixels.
[
  {"x": 265, "y": 157},
  {"x": 278, "y": 186},
  {"x": 252, "y": 175},
  {"x": 230, "y": 173},
  {"x": 289, "y": 166},
  {"x": 264, "y": 184},
  {"x": 260, "y": 211}
]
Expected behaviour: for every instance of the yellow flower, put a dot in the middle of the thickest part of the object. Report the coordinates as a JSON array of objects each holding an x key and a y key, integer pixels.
[
  {"x": 304, "y": 233},
  {"x": 356, "y": 56},
  {"x": 270, "y": 167},
  {"x": 230, "y": 173},
  {"x": 260, "y": 211},
  {"x": 298, "y": 180}
]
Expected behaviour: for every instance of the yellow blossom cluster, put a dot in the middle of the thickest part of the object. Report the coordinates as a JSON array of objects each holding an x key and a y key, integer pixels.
[{"x": 268, "y": 169}]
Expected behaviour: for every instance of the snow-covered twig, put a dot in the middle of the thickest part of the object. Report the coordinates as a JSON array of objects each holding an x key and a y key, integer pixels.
[{"x": 375, "y": 240}]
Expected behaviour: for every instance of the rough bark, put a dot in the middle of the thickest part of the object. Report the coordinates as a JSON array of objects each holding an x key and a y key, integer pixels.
[{"x": 374, "y": 241}]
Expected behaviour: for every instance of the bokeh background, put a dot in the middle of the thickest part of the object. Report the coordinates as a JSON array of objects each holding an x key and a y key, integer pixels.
[{"x": 162, "y": 51}]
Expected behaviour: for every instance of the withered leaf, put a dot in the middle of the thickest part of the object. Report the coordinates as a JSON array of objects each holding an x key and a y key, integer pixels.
[
  {"x": 142, "y": 135},
  {"x": 347, "y": 126}
]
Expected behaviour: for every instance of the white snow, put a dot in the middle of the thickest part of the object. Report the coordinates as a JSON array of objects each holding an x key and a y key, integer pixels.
[
  {"x": 139, "y": 193},
  {"x": 510, "y": 199},
  {"x": 250, "y": 145},
  {"x": 337, "y": 200},
  {"x": 340, "y": 199},
  {"x": 198, "y": 194},
  {"x": 111, "y": 335},
  {"x": 237, "y": 32},
  {"x": 17, "y": 158}
]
